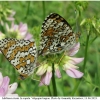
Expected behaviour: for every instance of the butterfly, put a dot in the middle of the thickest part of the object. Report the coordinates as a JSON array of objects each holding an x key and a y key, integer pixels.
[
  {"x": 56, "y": 35},
  {"x": 22, "y": 54}
]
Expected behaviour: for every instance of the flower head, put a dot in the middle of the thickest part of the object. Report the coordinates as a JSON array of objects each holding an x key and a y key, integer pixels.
[
  {"x": 71, "y": 69},
  {"x": 69, "y": 65},
  {"x": 6, "y": 14},
  {"x": 45, "y": 72},
  {"x": 5, "y": 88},
  {"x": 11, "y": 16},
  {"x": 45, "y": 78},
  {"x": 18, "y": 31},
  {"x": 70, "y": 62}
]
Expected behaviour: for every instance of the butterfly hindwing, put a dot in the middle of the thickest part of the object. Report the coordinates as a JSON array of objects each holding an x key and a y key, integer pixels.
[
  {"x": 21, "y": 54},
  {"x": 56, "y": 35}
]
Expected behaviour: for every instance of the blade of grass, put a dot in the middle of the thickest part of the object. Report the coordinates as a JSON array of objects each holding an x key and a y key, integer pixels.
[
  {"x": 49, "y": 90},
  {"x": 43, "y": 3}
]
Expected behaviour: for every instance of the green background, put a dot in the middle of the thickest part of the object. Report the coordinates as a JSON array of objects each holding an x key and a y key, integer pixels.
[{"x": 33, "y": 13}]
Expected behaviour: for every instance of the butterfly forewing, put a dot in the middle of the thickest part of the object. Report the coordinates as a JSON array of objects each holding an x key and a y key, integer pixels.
[
  {"x": 21, "y": 54},
  {"x": 56, "y": 35}
]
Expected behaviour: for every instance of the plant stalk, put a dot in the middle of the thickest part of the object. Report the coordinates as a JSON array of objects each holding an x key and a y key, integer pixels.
[
  {"x": 53, "y": 81},
  {"x": 86, "y": 49}
]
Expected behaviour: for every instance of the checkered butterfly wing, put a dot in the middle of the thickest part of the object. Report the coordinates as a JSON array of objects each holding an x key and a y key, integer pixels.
[
  {"x": 56, "y": 35},
  {"x": 21, "y": 54}
]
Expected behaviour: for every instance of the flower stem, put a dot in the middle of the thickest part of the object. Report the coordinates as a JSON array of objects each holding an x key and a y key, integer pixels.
[
  {"x": 53, "y": 81},
  {"x": 98, "y": 63},
  {"x": 49, "y": 91},
  {"x": 43, "y": 3},
  {"x": 86, "y": 49}
]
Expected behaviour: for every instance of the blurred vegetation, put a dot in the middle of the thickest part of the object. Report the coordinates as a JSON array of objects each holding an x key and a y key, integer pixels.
[{"x": 84, "y": 18}]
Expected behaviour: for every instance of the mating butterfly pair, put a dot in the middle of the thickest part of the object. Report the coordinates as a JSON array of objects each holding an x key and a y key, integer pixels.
[{"x": 56, "y": 36}]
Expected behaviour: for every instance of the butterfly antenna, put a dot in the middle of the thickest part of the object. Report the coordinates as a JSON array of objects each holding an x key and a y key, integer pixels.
[{"x": 62, "y": 57}]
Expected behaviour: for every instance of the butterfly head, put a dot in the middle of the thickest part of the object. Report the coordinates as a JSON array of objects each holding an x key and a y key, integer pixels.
[
  {"x": 22, "y": 77},
  {"x": 78, "y": 36}
]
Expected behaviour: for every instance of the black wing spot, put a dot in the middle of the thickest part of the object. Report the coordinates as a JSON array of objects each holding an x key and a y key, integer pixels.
[{"x": 58, "y": 45}]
